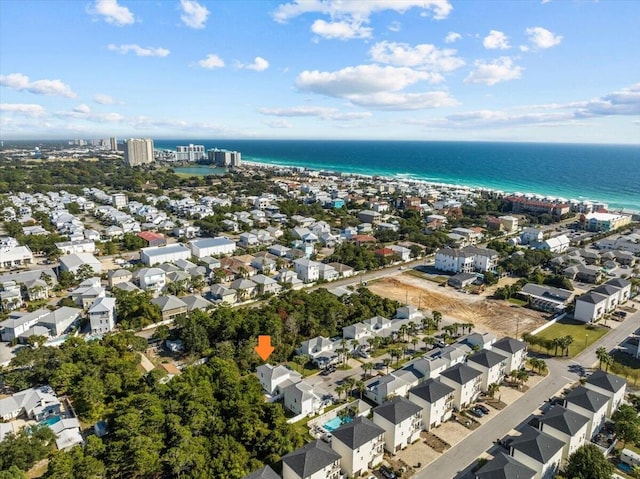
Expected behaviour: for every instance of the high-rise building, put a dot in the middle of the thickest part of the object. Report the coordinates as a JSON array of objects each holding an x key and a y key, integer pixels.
[
  {"x": 113, "y": 144},
  {"x": 138, "y": 151},
  {"x": 190, "y": 153},
  {"x": 225, "y": 158}
]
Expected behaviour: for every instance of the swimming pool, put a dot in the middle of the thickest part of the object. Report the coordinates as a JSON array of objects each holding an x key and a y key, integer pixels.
[
  {"x": 335, "y": 423},
  {"x": 51, "y": 421},
  {"x": 625, "y": 467}
]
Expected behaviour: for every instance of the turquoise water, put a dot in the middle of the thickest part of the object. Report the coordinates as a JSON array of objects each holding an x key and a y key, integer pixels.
[
  {"x": 335, "y": 423},
  {"x": 51, "y": 421},
  {"x": 609, "y": 173},
  {"x": 625, "y": 467}
]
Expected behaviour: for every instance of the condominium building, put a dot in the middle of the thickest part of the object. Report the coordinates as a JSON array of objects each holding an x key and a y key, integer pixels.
[
  {"x": 190, "y": 152},
  {"x": 138, "y": 151},
  {"x": 225, "y": 157},
  {"x": 113, "y": 144}
]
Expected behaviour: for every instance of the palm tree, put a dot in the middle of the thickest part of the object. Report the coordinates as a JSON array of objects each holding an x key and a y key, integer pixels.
[
  {"x": 414, "y": 342},
  {"x": 360, "y": 387},
  {"x": 556, "y": 342},
  {"x": 387, "y": 363},
  {"x": 534, "y": 362},
  {"x": 302, "y": 360},
  {"x": 426, "y": 323},
  {"x": 437, "y": 317},
  {"x": 522, "y": 376},
  {"x": 542, "y": 367},
  {"x": 367, "y": 367},
  {"x": 493, "y": 389},
  {"x": 343, "y": 350},
  {"x": 349, "y": 384},
  {"x": 403, "y": 331},
  {"x": 354, "y": 344},
  {"x": 602, "y": 354},
  {"x": 340, "y": 389},
  {"x": 566, "y": 342}
]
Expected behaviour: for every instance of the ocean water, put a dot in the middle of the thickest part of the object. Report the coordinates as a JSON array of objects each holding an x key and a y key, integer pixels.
[{"x": 609, "y": 173}]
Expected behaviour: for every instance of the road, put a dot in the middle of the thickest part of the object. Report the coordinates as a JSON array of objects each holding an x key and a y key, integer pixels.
[{"x": 457, "y": 461}]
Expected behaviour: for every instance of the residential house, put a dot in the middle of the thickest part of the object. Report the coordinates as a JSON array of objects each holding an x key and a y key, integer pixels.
[
  {"x": 314, "y": 460},
  {"x": 320, "y": 349},
  {"x": 102, "y": 315},
  {"x": 307, "y": 270},
  {"x": 369, "y": 216},
  {"x": 263, "y": 473},
  {"x": 504, "y": 467},
  {"x": 546, "y": 298},
  {"x": 609, "y": 385},
  {"x": 60, "y": 320},
  {"x": 466, "y": 260},
  {"x": 401, "y": 252},
  {"x": 411, "y": 313},
  {"x": 245, "y": 288},
  {"x": 343, "y": 270},
  {"x": 589, "y": 307},
  {"x": 568, "y": 426},
  {"x": 327, "y": 272},
  {"x": 10, "y": 296},
  {"x": 492, "y": 365},
  {"x": 118, "y": 276},
  {"x": 73, "y": 262},
  {"x": 538, "y": 451},
  {"x": 589, "y": 403},
  {"x": 222, "y": 294},
  {"x": 248, "y": 240},
  {"x": 360, "y": 445},
  {"x": 87, "y": 292},
  {"x": 401, "y": 420},
  {"x": 531, "y": 236},
  {"x": 151, "y": 279},
  {"x": 266, "y": 285},
  {"x": 153, "y": 239},
  {"x": 557, "y": 244},
  {"x": 436, "y": 400},
  {"x": 462, "y": 280},
  {"x": 36, "y": 403},
  {"x": 78, "y": 246},
  {"x": 164, "y": 254},
  {"x": 170, "y": 306},
  {"x": 624, "y": 287},
  {"x": 584, "y": 273},
  {"x": 67, "y": 432},
  {"x": 466, "y": 382},
  {"x": 514, "y": 350},
  {"x": 275, "y": 378},
  {"x": 301, "y": 399},
  {"x": 36, "y": 289},
  {"x": 19, "y": 323},
  {"x": 380, "y": 388}
]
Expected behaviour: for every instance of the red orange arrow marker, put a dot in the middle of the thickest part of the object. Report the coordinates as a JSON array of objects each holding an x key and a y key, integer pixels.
[{"x": 264, "y": 348}]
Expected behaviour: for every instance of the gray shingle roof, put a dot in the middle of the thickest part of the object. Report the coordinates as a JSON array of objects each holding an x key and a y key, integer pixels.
[
  {"x": 311, "y": 458},
  {"x": 431, "y": 390},
  {"x": 586, "y": 399},
  {"x": 607, "y": 381},
  {"x": 461, "y": 373},
  {"x": 264, "y": 473},
  {"x": 509, "y": 345},
  {"x": 505, "y": 467},
  {"x": 397, "y": 410},
  {"x": 537, "y": 445},
  {"x": 486, "y": 358},
  {"x": 564, "y": 420},
  {"x": 358, "y": 432}
]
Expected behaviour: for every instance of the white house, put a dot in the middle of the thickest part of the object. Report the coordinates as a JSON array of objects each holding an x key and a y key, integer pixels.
[
  {"x": 492, "y": 365},
  {"x": 466, "y": 382},
  {"x": 610, "y": 385},
  {"x": 314, "y": 460},
  {"x": 301, "y": 399},
  {"x": 466, "y": 260},
  {"x": 589, "y": 307},
  {"x": 275, "y": 378},
  {"x": 401, "y": 420},
  {"x": 263, "y": 473},
  {"x": 164, "y": 254},
  {"x": 73, "y": 262},
  {"x": 557, "y": 244},
  {"x": 436, "y": 400},
  {"x": 360, "y": 444},
  {"x": 538, "y": 451},
  {"x": 531, "y": 236},
  {"x": 504, "y": 467},
  {"x": 19, "y": 323},
  {"x": 78, "y": 246},
  {"x": 568, "y": 426},
  {"x": 318, "y": 347},
  {"x": 36, "y": 403},
  {"x": 152, "y": 279},
  {"x": 514, "y": 350},
  {"x": 102, "y": 315},
  {"x": 590, "y": 404},
  {"x": 60, "y": 320},
  {"x": 327, "y": 272},
  {"x": 307, "y": 270}
]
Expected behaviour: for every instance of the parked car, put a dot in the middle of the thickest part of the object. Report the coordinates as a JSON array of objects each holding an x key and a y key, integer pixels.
[
  {"x": 388, "y": 473},
  {"x": 474, "y": 411},
  {"x": 483, "y": 408}
]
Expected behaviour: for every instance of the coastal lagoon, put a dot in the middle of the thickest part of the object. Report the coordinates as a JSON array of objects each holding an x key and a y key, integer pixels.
[
  {"x": 199, "y": 170},
  {"x": 608, "y": 173}
]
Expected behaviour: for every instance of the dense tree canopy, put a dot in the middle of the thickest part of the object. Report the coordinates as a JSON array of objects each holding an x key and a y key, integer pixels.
[{"x": 588, "y": 462}]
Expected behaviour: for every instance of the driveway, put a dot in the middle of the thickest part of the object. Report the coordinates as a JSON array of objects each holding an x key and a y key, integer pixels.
[{"x": 6, "y": 353}]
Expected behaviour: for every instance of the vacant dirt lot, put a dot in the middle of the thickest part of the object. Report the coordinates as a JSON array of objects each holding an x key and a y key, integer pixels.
[{"x": 495, "y": 316}]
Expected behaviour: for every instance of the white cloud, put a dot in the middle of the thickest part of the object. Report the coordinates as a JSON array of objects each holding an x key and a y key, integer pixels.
[
  {"x": 82, "y": 108},
  {"x": 112, "y": 12},
  {"x": 542, "y": 38},
  {"x": 452, "y": 37},
  {"x": 21, "y": 82},
  {"x": 281, "y": 124},
  {"x": 25, "y": 109},
  {"x": 424, "y": 55},
  {"x": 139, "y": 51},
  {"x": 340, "y": 30},
  {"x": 315, "y": 111},
  {"x": 496, "y": 40},
  {"x": 375, "y": 86},
  {"x": 496, "y": 71},
  {"x": 394, "y": 27},
  {"x": 211, "y": 61},
  {"x": 348, "y": 17},
  {"x": 622, "y": 102},
  {"x": 103, "y": 99},
  {"x": 194, "y": 15},
  {"x": 259, "y": 64}
]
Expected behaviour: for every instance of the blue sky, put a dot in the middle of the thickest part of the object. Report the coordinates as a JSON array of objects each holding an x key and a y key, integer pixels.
[{"x": 557, "y": 71}]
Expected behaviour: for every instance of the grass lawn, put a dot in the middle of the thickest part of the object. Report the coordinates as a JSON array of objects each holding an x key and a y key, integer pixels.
[
  {"x": 308, "y": 371},
  {"x": 517, "y": 302},
  {"x": 583, "y": 335}
]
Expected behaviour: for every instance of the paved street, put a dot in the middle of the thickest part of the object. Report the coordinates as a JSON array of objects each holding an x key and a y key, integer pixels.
[{"x": 456, "y": 462}]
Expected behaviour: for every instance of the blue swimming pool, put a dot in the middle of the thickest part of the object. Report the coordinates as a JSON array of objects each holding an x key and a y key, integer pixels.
[
  {"x": 51, "y": 421},
  {"x": 625, "y": 467},
  {"x": 335, "y": 423}
]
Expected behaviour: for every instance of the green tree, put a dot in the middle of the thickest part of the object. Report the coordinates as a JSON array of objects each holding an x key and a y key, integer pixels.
[{"x": 588, "y": 462}]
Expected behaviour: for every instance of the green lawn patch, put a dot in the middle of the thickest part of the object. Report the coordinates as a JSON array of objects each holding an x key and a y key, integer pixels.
[
  {"x": 308, "y": 371},
  {"x": 517, "y": 302},
  {"x": 583, "y": 335}
]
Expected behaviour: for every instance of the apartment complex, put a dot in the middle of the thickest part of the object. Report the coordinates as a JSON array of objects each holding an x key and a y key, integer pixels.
[
  {"x": 225, "y": 157},
  {"x": 190, "y": 152},
  {"x": 138, "y": 151}
]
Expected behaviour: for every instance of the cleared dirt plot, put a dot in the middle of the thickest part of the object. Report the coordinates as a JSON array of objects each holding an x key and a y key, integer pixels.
[{"x": 496, "y": 316}]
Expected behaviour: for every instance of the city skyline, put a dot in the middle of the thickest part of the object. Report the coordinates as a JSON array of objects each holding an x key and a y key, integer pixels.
[{"x": 389, "y": 69}]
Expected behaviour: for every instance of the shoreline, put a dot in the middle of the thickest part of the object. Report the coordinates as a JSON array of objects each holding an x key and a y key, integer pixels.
[{"x": 413, "y": 179}]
